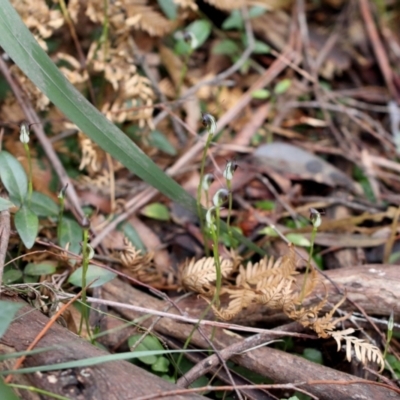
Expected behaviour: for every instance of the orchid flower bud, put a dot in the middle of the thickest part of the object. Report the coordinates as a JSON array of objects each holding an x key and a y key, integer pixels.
[
  {"x": 210, "y": 218},
  {"x": 229, "y": 170},
  {"x": 315, "y": 217},
  {"x": 207, "y": 181},
  {"x": 24, "y": 132},
  {"x": 220, "y": 197},
  {"x": 209, "y": 123},
  {"x": 61, "y": 195}
]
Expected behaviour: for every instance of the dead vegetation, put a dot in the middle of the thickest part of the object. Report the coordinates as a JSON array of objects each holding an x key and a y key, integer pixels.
[{"x": 311, "y": 113}]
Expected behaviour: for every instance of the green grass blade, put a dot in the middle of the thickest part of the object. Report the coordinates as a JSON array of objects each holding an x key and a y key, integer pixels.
[
  {"x": 87, "y": 362},
  {"x": 23, "y": 49}
]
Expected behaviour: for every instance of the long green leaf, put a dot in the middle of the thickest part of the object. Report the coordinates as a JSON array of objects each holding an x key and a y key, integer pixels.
[
  {"x": 87, "y": 362},
  {"x": 21, "y": 46}
]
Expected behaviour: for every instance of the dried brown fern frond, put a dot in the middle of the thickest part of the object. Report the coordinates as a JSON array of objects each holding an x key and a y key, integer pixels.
[
  {"x": 253, "y": 274},
  {"x": 239, "y": 300},
  {"x": 73, "y": 72},
  {"x": 92, "y": 156},
  {"x": 38, "y": 17},
  {"x": 132, "y": 258},
  {"x": 152, "y": 21},
  {"x": 363, "y": 350},
  {"x": 308, "y": 317},
  {"x": 199, "y": 276},
  {"x": 275, "y": 293},
  {"x": 39, "y": 100}
]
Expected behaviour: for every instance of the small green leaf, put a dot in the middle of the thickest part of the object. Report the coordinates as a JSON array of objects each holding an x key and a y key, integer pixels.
[
  {"x": 261, "y": 94},
  {"x": 169, "y": 8},
  {"x": 181, "y": 48},
  {"x": 261, "y": 48},
  {"x": 99, "y": 275},
  {"x": 13, "y": 176},
  {"x": 6, "y": 392},
  {"x": 148, "y": 343},
  {"x": 168, "y": 378},
  {"x": 226, "y": 47},
  {"x": 268, "y": 231},
  {"x": 201, "y": 29},
  {"x": 40, "y": 269},
  {"x": 298, "y": 239},
  {"x": 282, "y": 86},
  {"x": 156, "y": 211},
  {"x": 43, "y": 206},
  {"x": 256, "y": 11},
  {"x": 158, "y": 140},
  {"x": 70, "y": 232},
  {"x": 131, "y": 233},
  {"x": 27, "y": 224},
  {"x": 267, "y": 205},
  {"x": 234, "y": 21},
  {"x": 11, "y": 275},
  {"x": 5, "y": 204},
  {"x": 313, "y": 355},
  {"x": 161, "y": 365},
  {"x": 7, "y": 312}
]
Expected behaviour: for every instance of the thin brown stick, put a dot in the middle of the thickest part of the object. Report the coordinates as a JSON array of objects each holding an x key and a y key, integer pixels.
[
  {"x": 390, "y": 242},
  {"x": 212, "y": 361},
  {"x": 378, "y": 48},
  {"x": 46, "y": 328},
  {"x": 292, "y": 386}
]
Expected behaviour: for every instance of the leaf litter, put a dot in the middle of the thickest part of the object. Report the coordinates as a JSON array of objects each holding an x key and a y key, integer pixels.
[{"x": 330, "y": 124}]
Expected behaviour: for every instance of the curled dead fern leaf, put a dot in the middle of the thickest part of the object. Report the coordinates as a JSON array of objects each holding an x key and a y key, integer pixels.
[
  {"x": 239, "y": 300},
  {"x": 199, "y": 276},
  {"x": 132, "y": 258},
  {"x": 363, "y": 350}
]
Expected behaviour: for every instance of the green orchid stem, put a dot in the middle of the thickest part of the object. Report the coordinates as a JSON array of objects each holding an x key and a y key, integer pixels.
[
  {"x": 215, "y": 236},
  {"x": 199, "y": 190},
  {"x": 184, "y": 71},
  {"x": 230, "y": 201},
  {"x": 218, "y": 284},
  {"x": 389, "y": 335},
  {"x": 37, "y": 390},
  {"x": 30, "y": 184},
  {"x": 310, "y": 254},
  {"x": 85, "y": 266},
  {"x": 60, "y": 216}
]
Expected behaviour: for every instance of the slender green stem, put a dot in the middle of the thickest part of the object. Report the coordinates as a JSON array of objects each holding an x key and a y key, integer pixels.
[
  {"x": 215, "y": 235},
  {"x": 199, "y": 191},
  {"x": 85, "y": 266},
  {"x": 389, "y": 334},
  {"x": 303, "y": 288},
  {"x": 37, "y": 390},
  {"x": 30, "y": 184},
  {"x": 60, "y": 216},
  {"x": 230, "y": 201}
]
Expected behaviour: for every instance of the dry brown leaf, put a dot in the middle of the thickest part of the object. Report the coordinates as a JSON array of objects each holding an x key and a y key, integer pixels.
[
  {"x": 364, "y": 351},
  {"x": 199, "y": 276}
]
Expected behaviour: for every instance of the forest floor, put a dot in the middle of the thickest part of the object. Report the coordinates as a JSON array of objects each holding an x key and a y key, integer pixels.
[{"x": 282, "y": 119}]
